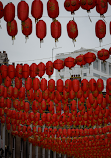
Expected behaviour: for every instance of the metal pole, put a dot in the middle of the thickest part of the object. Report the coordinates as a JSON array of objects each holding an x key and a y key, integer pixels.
[
  {"x": 13, "y": 147},
  {"x": 59, "y": 154},
  {"x": 64, "y": 156},
  {"x": 36, "y": 148},
  {"x": 3, "y": 133},
  {"x": 43, "y": 150},
  {"x": 52, "y": 52},
  {"x": 30, "y": 147},
  {"x": 21, "y": 148},
  {"x": 49, "y": 153}
]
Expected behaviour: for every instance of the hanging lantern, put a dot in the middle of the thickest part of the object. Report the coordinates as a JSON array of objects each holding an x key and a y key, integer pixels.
[
  {"x": 22, "y": 11},
  {"x": 43, "y": 84},
  {"x": 18, "y": 83},
  {"x": 1, "y": 90},
  {"x": 100, "y": 85},
  {"x": 40, "y": 69},
  {"x": 92, "y": 84},
  {"x": 11, "y": 71},
  {"x": 28, "y": 83},
  {"x": 45, "y": 94},
  {"x": 30, "y": 95},
  {"x": 76, "y": 85},
  {"x": 36, "y": 84},
  {"x": 27, "y": 28},
  {"x": 103, "y": 54},
  {"x": 49, "y": 68},
  {"x": 59, "y": 64},
  {"x": 53, "y": 9},
  {"x": 100, "y": 30},
  {"x": 110, "y": 51},
  {"x": 22, "y": 93},
  {"x": 68, "y": 85},
  {"x": 7, "y": 81},
  {"x": 19, "y": 71},
  {"x": 80, "y": 60},
  {"x": 41, "y": 30},
  {"x": 70, "y": 62},
  {"x": 84, "y": 85},
  {"x": 32, "y": 70},
  {"x": 60, "y": 85},
  {"x": 9, "y": 13},
  {"x": 101, "y": 7},
  {"x": 51, "y": 85},
  {"x": 56, "y": 30},
  {"x": 108, "y": 84},
  {"x": 72, "y": 30},
  {"x": 12, "y": 29},
  {"x": 37, "y": 9},
  {"x": 10, "y": 91},
  {"x": 25, "y": 71},
  {"x": 1, "y": 11}
]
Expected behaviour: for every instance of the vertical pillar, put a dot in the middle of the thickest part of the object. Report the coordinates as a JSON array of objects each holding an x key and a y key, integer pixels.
[
  {"x": 30, "y": 147},
  {"x": 13, "y": 147},
  {"x": 36, "y": 148},
  {"x": 3, "y": 134},
  {"x": 48, "y": 153},
  {"x": 21, "y": 148},
  {"x": 43, "y": 150},
  {"x": 65, "y": 156},
  {"x": 59, "y": 154}
]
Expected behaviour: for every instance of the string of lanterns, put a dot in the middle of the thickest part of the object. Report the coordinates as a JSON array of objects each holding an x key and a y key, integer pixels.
[{"x": 53, "y": 12}]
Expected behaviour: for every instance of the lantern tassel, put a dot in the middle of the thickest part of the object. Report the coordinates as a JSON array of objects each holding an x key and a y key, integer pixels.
[
  {"x": 0, "y": 25},
  {"x": 55, "y": 44},
  {"x": 12, "y": 40},
  {"x": 73, "y": 42},
  {"x": 89, "y": 18},
  {"x": 100, "y": 40}
]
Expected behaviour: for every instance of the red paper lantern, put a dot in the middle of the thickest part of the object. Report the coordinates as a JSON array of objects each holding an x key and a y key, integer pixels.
[
  {"x": 72, "y": 29},
  {"x": 1, "y": 10},
  {"x": 9, "y": 12},
  {"x": 103, "y": 54},
  {"x": 87, "y": 5},
  {"x": 22, "y": 93},
  {"x": 92, "y": 84},
  {"x": 11, "y": 71},
  {"x": 18, "y": 83},
  {"x": 49, "y": 68},
  {"x": 36, "y": 84},
  {"x": 58, "y": 64},
  {"x": 109, "y": 2},
  {"x": 41, "y": 30},
  {"x": 40, "y": 69},
  {"x": 12, "y": 29},
  {"x": 70, "y": 62},
  {"x": 37, "y": 9},
  {"x": 101, "y": 7},
  {"x": 108, "y": 84},
  {"x": 100, "y": 85},
  {"x": 7, "y": 81},
  {"x": 33, "y": 68},
  {"x": 43, "y": 84},
  {"x": 100, "y": 29},
  {"x": 59, "y": 85},
  {"x": 25, "y": 71},
  {"x": 19, "y": 71},
  {"x": 27, "y": 28},
  {"x": 45, "y": 94},
  {"x": 51, "y": 85},
  {"x": 4, "y": 71},
  {"x": 38, "y": 95},
  {"x": 84, "y": 85},
  {"x": 110, "y": 51},
  {"x": 56, "y": 29},
  {"x": 80, "y": 60},
  {"x": 22, "y": 11},
  {"x": 53, "y": 9},
  {"x": 30, "y": 95},
  {"x": 10, "y": 91},
  {"x": 1, "y": 90},
  {"x": 68, "y": 85},
  {"x": 28, "y": 83},
  {"x": 76, "y": 85},
  {"x": 89, "y": 57},
  {"x": 26, "y": 107}
]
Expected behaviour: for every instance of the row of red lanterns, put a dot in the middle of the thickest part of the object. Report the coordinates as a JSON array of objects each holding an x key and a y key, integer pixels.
[
  {"x": 52, "y": 8},
  {"x": 53, "y": 12},
  {"x": 39, "y": 70}
]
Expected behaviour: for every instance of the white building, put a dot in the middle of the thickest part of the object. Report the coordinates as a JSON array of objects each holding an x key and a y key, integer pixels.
[{"x": 98, "y": 69}]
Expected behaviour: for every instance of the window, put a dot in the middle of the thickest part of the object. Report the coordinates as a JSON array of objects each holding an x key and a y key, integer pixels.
[
  {"x": 110, "y": 69},
  {"x": 86, "y": 65},
  {"x": 104, "y": 78},
  {"x": 84, "y": 74},
  {"x": 96, "y": 75},
  {"x": 96, "y": 64},
  {"x": 103, "y": 66}
]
